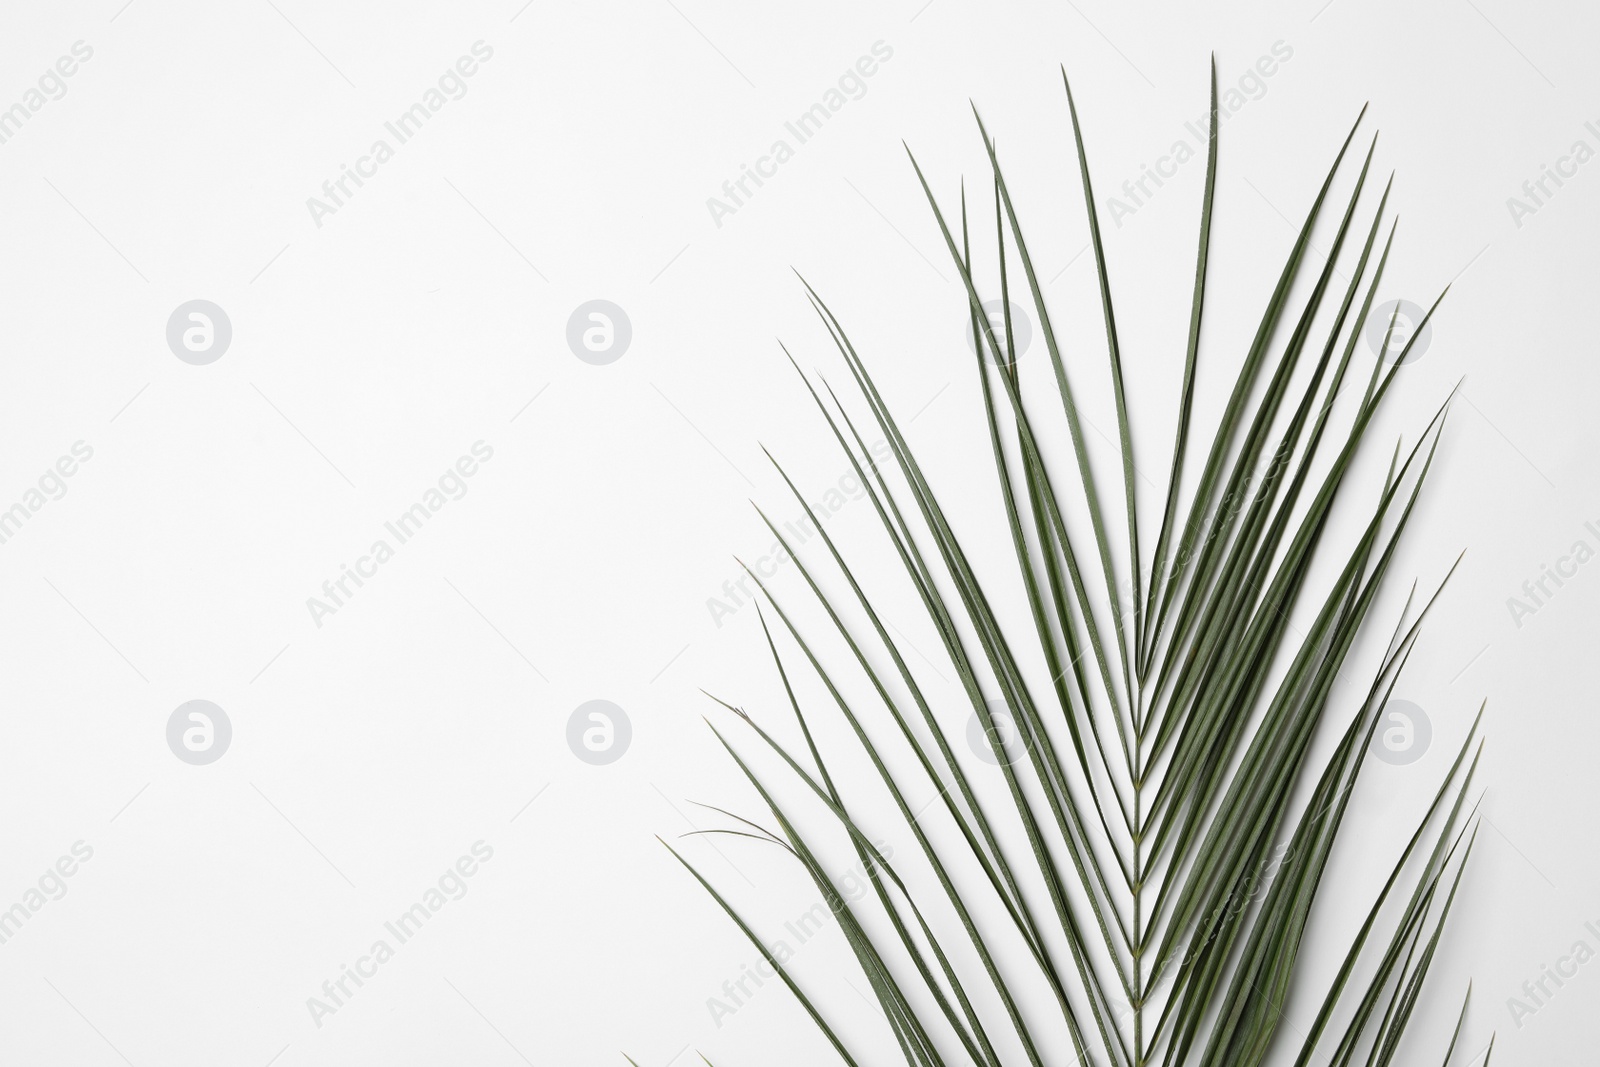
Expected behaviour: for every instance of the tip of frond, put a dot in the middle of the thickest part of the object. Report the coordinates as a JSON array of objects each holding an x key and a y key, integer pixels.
[
  {"x": 724, "y": 703},
  {"x": 973, "y": 104},
  {"x": 745, "y": 566},
  {"x": 719, "y": 700},
  {"x": 792, "y": 362}
]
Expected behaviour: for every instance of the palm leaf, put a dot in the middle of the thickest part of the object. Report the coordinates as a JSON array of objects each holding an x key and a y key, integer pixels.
[{"x": 1160, "y": 841}]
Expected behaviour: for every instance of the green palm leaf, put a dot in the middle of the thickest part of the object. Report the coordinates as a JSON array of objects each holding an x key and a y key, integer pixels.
[{"x": 1137, "y": 881}]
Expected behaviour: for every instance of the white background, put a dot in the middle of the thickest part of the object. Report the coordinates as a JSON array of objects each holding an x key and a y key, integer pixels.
[{"x": 371, "y": 351}]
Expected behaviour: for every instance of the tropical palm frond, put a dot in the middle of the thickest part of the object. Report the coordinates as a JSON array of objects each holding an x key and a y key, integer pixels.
[{"x": 1176, "y": 790}]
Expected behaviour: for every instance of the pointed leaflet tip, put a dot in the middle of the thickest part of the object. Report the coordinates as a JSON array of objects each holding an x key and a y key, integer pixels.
[
  {"x": 973, "y": 105},
  {"x": 803, "y": 281},
  {"x": 983, "y": 131}
]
